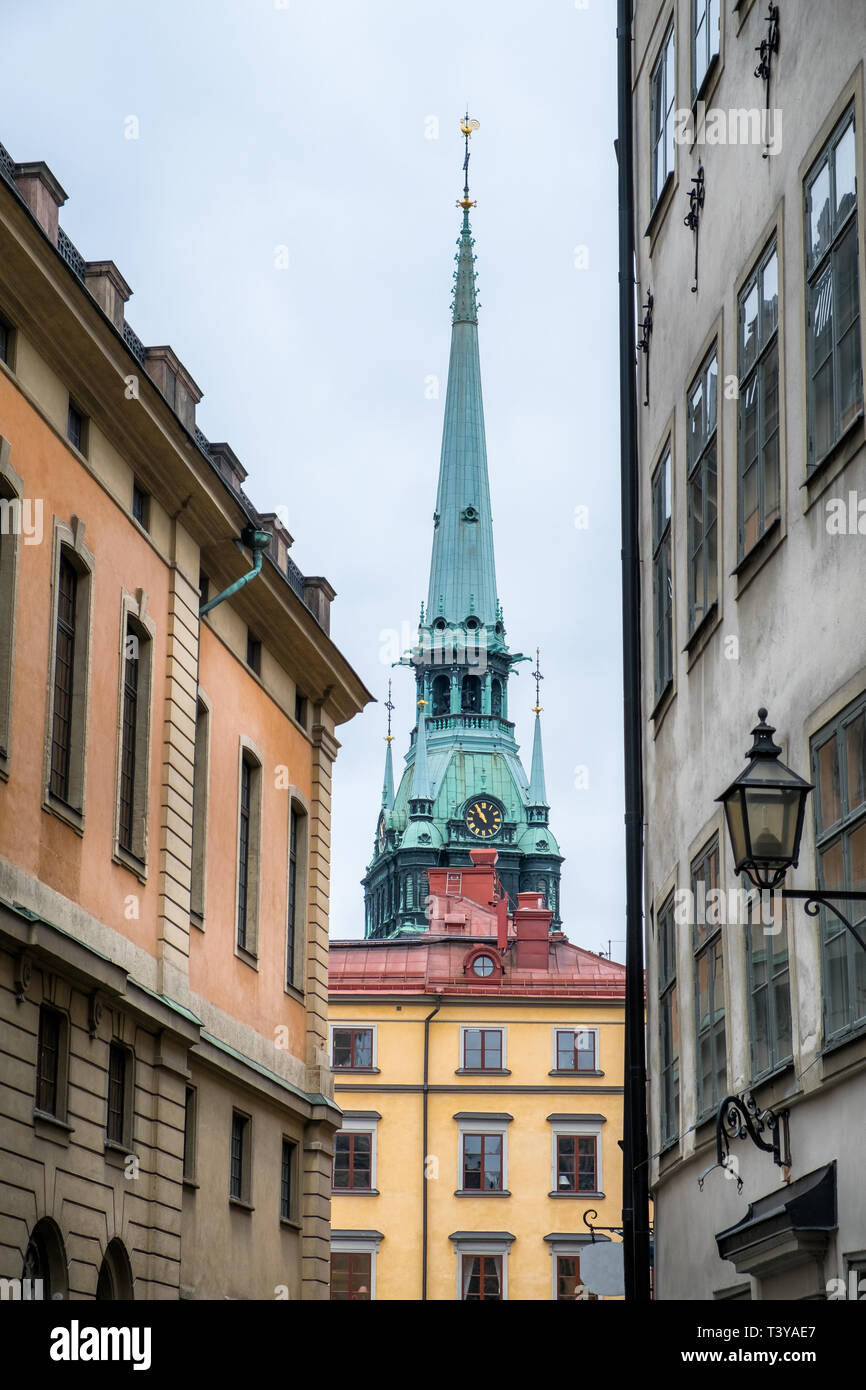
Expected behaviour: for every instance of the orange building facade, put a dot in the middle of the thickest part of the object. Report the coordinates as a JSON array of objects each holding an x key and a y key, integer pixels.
[{"x": 165, "y": 784}]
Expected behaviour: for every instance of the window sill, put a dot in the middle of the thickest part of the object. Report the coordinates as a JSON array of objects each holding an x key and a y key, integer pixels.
[
  {"x": 742, "y": 10},
  {"x": 355, "y": 1192},
  {"x": 248, "y": 957},
  {"x": 51, "y": 1127},
  {"x": 573, "y": 1071},
  {"x": 68, "y": 814},
  {"x": 117, "y": 1154},
  {"x": 127, "y": 860},
  {"x": 463, "y": 1192},
  {"x": 755, "y": 559},
  {"x": 4, "y": 765},
  {"x": 835, "y": 461},
  {"x": 196, "y": 919},
  {"x": 482, "y": 1071},
  {"x": 240, "y": 1205},
  {"x": 576, "y": 1196},
  {"x": 835, "y": 1055},
  {"x": 662, "y": 204},
  {"x": 290, "y": 1224},
  {"x": 769, "y": 1089},
  {"x": 662, "y": 705},
  {"x": 669, "y": 1156},
  {"x": 699, "y": 639},
  {"x": 364, "y": 1071},
  {"x": 190, "y": 1184},
  {"x": 294, "y": 993},
  {"x": 709, "y": 82}
]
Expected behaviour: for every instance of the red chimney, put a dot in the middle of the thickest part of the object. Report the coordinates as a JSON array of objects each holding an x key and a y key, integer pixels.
[{"x": 532, "y": 925}]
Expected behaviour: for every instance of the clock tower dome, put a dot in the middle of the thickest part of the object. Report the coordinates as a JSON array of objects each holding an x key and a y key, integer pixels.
[{"x": 463, "y": 785}]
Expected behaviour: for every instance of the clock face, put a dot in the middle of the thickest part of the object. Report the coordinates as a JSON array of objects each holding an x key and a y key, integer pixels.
[
  {"x": 483, "y": 818},
  {"x": 380, "y": 831}
]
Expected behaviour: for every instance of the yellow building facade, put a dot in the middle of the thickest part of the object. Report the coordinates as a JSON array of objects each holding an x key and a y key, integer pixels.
[{"x": 479, "y": 1069}]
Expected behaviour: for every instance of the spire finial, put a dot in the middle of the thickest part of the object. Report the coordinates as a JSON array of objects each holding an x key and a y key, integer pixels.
[
  {"x": 467, "y": 126},
  {"x": 538, "y": 678},
  {"x": 389, "y": 705}
]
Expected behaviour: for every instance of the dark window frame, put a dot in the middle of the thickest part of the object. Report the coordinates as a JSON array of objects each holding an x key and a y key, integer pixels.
[
  {"x": 352, "y": 1064},
  {"x": 843, "y": 962},
  {"x": 662, "y": 566},
  {"x": 823, "y": 277},
  {"x": 569, "y": 1278},
  {"x": 76, "y": 427},
  {"x": 573, "y": 1166},
  {"x": 358, "y": 1168},
  {"x": 707, "y": 942},
  {"x": 661, "y": 130},
  {"x": 702, "y": 480},
  {"x": 119, "y": 1096},
  {"x": 289, "y": 1180},
  {"x": 704, "y": 8},
  {"x": 756, "y": 375},
  {"x": 239, "y": 1158},
  {"x": 563, "y": 1050},
  {"x": 482, "y": 1064},
  {"x": 359, "y": 1275},
  {"x": 490, "y": 1267},
  {"x": 50, "y": 1062},
  {"x": 669, "y": 1052},
  {"x": 487, "y": 1140}
]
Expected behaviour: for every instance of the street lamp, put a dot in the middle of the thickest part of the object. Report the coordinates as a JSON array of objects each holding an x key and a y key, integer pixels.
[{"x": 765, "y": 807}]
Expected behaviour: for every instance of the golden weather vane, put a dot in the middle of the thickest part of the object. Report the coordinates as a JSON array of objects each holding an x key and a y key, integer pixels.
[
  {"x": 538, "y": 678},
  {"x": 389, "y": 705},
  {"x": 467, "y": 126}
]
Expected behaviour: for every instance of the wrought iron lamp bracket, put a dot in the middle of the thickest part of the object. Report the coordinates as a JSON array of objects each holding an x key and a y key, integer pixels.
[
  {"x": 643, "y": 342},
  {"x": 738, "y": 1117},
  {"x": 813, "y": 899},
  {"x": 692, "y": 219}
]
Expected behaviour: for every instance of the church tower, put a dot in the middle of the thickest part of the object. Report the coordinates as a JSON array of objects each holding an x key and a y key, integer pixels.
[{"x": 463, "y": 785}]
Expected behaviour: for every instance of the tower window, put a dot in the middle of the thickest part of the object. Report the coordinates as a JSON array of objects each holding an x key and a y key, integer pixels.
[
  {"x": 496, "y": 699},
  {"x": 471, "y": 695},
  {"x": 441, "y": 695}
]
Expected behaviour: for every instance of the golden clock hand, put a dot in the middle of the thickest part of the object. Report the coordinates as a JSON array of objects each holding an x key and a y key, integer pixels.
[{"x": 481, "y": 815}]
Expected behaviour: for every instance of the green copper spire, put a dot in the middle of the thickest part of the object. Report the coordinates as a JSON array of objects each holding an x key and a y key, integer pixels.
[
  {"x": 462, "y": 568},
  {"x": 420, "y": 775},
  {"x": 388, "y": 782},
  {"x": 537, "y": 787}
]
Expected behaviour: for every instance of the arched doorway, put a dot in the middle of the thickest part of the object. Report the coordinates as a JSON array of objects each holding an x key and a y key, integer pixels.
[
  {"x": 45, "y": 1259},
  {"x": 115, "y": 1274}
]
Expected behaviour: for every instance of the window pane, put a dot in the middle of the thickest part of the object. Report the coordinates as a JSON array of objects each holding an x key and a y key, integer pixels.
[
  {"x": 855, "y": 736},
  {"x": 472, "y": 1047},
  {"x": 770, "y": 297},
  {"x": 750, "y": 328},
  {"x": 342, "y": 1047},
  {"x": 363, "y": 1048},
  {"x": 836, "y": 982},
  {"x": 782, "y": 1000},
  {"x": 829, "y": 794},
  {"x": 846, "y": 174},
  {"x": 833, "y": 875},
  {"x": 565, "y": 1058},
  {"x": 819, "y": 199},
  {"x": 857, "y": 858}
]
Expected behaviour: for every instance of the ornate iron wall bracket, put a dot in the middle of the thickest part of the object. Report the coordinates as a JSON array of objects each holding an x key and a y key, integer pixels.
[
  {"x": 814, "y": 899},
  {"x": 643, "y": 342},
  {"x": 764, "y": 70},
  {"x": 592, "y": 1229},
  {"x": 739, "y": 1118},
  {"x": 693, "y": 217}
]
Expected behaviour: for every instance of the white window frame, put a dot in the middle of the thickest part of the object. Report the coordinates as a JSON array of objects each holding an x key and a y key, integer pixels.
[
  {"x": 487, "y": 1028},
  {"x": 567, "y": 1129},
  {"x": 577, "y": 1028},
  {"x": 360, "y": 1122},
  {"x": 362, "y": 1243},
  {"x": 483, "y": 1126},
  {"x": 482, "y": 1244},
  {"x": 345, "y": 1024}
]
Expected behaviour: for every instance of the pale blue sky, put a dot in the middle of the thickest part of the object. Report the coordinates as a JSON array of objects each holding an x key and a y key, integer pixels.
[{"x": 303, "y": 125}]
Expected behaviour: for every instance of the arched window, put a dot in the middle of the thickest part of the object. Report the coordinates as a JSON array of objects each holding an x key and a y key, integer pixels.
[
  {"x": 115, "y": 1273},
  {"x": 471, "y": 695},
  {"x": 45, "y": 1259},
  {"x": 441, "y": 695},
  {"x": 496, "y": 698}
]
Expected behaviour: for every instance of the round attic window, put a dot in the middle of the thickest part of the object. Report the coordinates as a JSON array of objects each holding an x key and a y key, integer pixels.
[{"x": 483, "y": 966}]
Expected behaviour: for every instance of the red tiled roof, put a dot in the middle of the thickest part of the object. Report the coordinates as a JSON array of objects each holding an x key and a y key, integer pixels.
[{"x": 432, "y": 964}]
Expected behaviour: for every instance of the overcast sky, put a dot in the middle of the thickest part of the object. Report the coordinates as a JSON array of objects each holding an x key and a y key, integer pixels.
[{"x": 305, "y": 124}]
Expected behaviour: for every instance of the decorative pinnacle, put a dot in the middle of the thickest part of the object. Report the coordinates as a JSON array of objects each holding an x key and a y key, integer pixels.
[
  {"x": 422, "y": 703},
  {"x": 467, "y": 126},
  {"x": 389, "y": 705},
  {"x": 538, "y": 678}
]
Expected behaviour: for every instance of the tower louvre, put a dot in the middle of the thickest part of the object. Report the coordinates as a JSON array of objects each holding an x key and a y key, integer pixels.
[{"x": 463, "y": 785}]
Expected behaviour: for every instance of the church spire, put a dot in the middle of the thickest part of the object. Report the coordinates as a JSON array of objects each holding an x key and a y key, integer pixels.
[
  {"x": 421, "y": 799},
  {"x": 462, "y": 567},
  {"x": 537, "y": 787},
  {"x": 388, "y": 782}
]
